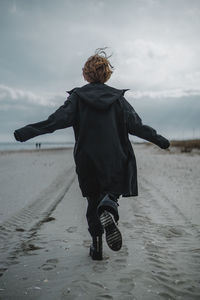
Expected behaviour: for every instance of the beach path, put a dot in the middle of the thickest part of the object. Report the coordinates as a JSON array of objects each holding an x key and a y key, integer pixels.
[{"x": 160, "y": 256}]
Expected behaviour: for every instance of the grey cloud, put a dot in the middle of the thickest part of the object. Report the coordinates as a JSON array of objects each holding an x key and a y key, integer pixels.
[
  {"x": 165, "y": 94},
  {"x": 176, "y": 117},
  {"x": 19, "y": 96},
  {"x": 19, "y": 108},
  {"x": 44, "y": 45}
]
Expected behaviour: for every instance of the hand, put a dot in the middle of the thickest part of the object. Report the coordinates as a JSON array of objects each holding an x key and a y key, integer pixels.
[
  {"x": 165, "y": 144},
  {"x": 17, "y": 136}
]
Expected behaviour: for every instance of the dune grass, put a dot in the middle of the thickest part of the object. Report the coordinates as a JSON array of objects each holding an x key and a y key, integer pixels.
[{"x": 186, "y": 145}]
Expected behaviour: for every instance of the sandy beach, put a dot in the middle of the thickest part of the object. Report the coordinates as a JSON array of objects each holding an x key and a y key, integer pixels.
[{"x": 45, "y": 243}]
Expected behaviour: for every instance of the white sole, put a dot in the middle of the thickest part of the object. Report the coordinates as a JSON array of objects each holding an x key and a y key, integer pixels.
[{"x": 113, "y": 235}]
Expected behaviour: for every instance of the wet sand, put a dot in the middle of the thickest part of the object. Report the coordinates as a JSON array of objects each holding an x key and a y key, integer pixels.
[{"x": 160, "y": 257}]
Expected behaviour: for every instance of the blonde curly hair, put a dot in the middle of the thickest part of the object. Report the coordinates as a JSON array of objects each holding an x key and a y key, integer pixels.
[{"x": 97, "y": 68}]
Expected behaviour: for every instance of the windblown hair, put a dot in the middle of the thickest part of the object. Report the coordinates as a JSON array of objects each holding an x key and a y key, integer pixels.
[{"x": 98, "y": 68}]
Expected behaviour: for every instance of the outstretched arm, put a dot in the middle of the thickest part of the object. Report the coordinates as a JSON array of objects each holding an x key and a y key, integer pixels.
[
  {"x": 63, "y": 117},
  {"x": 136, "y": 127}
]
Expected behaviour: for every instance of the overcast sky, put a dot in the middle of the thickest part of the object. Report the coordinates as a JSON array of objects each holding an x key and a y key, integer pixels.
[{"x": 155, "y": 45}]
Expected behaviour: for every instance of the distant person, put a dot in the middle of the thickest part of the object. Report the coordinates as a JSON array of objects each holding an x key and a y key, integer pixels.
[
  {"x": 105, "y": 163},
  {"x": 38, "y": 145}
]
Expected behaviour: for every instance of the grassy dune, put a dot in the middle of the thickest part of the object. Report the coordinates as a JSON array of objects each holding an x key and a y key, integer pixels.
[{"x": 186, "y": 145}]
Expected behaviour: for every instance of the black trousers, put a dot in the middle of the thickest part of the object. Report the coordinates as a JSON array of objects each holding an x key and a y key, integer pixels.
[{"x": 94, "y": 225}]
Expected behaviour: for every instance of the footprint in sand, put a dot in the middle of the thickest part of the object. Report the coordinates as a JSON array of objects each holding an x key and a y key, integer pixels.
[
  {"x": 86, "y": 289},
  {"x": 171, "y": 231},
  {"x": 120, "y": 260},
  {"x": 100, "y": 266},
  {"x": 126, "y": 284},
  {"x": 118, "y": 264},
  {"x": 72, "y": 229},
  {"x": 50, "y": 264}
]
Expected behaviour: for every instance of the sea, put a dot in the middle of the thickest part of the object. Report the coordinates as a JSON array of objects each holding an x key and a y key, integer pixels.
[{"x": 14, "y": 146}]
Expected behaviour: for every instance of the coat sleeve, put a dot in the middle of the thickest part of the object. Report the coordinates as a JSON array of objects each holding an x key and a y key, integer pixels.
[
  {"x": 136, "y": 127},
  {"x": 63, "y": 117}
]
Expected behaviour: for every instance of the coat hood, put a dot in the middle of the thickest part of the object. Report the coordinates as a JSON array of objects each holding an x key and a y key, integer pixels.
[{"x": 98, "y": 95}]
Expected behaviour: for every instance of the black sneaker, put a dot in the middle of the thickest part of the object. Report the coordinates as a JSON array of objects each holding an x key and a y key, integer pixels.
[
  {"x": 113, "y": 235},
  {"x": 96, "y": 248}
]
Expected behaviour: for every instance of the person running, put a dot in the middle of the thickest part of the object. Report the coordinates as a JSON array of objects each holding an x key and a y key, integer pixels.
[{"x": 102, "y": 120}]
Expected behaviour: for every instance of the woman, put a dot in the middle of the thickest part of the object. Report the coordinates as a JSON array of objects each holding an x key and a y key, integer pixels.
[{"x": 105, "y": 163}]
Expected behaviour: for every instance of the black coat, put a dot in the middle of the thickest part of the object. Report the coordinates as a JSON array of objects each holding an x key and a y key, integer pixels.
[{"x": 102, "y": 119}]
